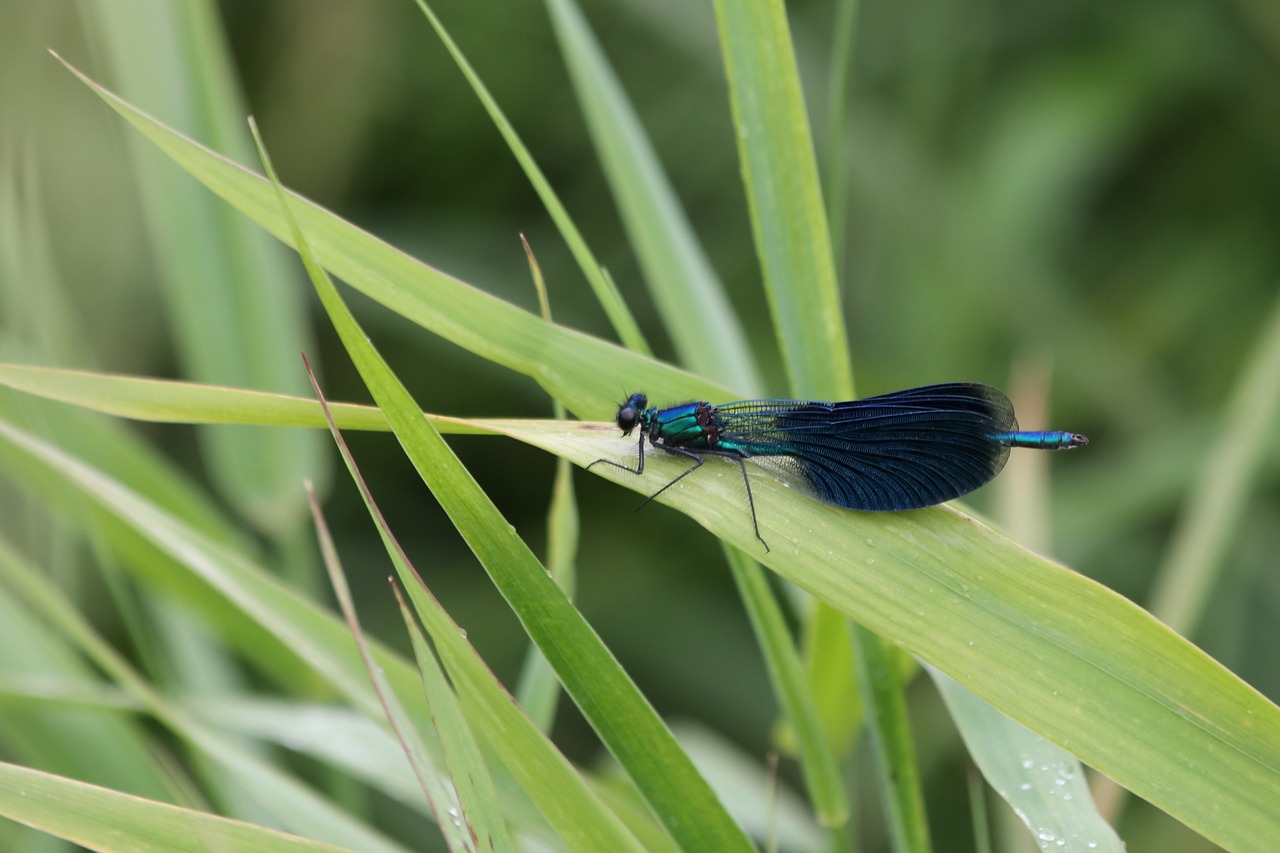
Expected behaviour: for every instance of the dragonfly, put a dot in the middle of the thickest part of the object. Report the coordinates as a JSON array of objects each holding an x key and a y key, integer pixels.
[{"x": 900, "y": 451}]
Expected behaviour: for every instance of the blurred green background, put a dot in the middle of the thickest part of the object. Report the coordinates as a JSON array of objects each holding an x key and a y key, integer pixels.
[{"x": 1079, "y": 199}]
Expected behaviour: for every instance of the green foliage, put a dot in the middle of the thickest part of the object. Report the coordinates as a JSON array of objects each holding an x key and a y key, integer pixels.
[{"x": 1084, "y": 196}]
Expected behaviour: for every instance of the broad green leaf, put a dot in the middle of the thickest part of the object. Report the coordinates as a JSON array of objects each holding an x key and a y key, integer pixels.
[
  {"x": 102, "y": 819},
  {"x": 1031, "y": 637},
  {"x": 793, "y": 244},
  {"x": 1065, "y": 656}
]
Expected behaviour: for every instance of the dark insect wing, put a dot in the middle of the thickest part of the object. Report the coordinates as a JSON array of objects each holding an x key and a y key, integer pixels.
[{"x": 905, "y": 450}]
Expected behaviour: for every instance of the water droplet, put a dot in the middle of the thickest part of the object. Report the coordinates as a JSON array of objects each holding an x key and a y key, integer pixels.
[{"x": 462, "y": 632}]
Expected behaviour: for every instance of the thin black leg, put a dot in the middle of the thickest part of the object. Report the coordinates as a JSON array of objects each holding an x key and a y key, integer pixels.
[
  {"x": 698, "y": 458},
  {"x": 751, "y": 502},
  {"x": 676, "y": 451},
  {"x": 639, "y": 469}
]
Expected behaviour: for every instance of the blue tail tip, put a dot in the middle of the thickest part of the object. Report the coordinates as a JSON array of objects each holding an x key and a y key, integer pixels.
[{"x": 1043, "y": 440}]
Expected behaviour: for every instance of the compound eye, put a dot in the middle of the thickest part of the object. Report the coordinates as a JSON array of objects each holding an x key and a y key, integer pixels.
[{"x": 627, "y": 419}]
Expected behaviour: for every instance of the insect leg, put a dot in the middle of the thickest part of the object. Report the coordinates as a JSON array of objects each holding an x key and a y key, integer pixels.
[
  {"x": 700, "y": 458},
  {"x": 639, "y": 469},
  {"x": 676, "y": 451}
]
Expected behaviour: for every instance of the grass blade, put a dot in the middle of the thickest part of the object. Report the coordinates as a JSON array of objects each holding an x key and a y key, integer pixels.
[
  {"x": 1216, "y": 506},
  {"x": 443, "y": 797},
  {"x": 603, "y": 287},
  {"x": 626, "y": 723},
  {"x": 886, "y": 709},
  {"x": 1045, "y": 785},
  {"x": 1081, "y": 670},
  {"x": 786, "y": 671},
  {"x": 1032, "y": 638},
  {"x": 238, "y": 317},
  {"x": 689, "y": 296},
  {"x": 103, "y": 819},
  {"x": 787, "y": 215},
  {"x": 581, "y": 371}
]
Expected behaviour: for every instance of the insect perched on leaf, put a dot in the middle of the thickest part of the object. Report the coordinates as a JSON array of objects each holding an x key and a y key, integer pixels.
[{"x": 899, "y": 451}]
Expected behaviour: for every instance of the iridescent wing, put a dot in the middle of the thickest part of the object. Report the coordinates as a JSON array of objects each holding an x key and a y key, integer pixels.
[{"x": 898, "y": 451}]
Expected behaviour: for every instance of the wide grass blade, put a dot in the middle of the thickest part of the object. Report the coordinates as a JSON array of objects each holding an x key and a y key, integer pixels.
[
  {"x": 785, "y": 198},
  {"x": 1032, "y": 638},
  {"x": 102, "y": 819},
  {"x": 793, "y": 244}
]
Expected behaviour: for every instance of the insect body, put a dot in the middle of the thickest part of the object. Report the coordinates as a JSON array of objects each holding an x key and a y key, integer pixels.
[{"x": 899, "y": 451}]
